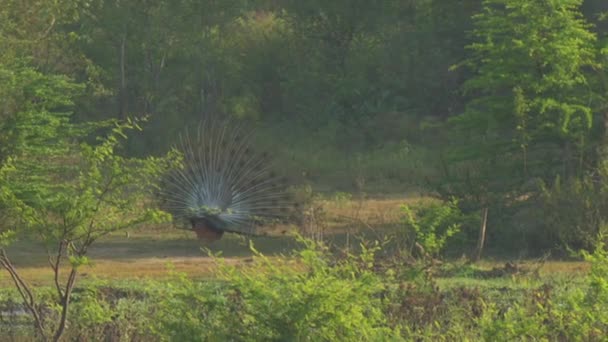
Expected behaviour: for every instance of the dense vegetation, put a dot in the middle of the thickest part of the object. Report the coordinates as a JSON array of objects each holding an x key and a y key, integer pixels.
[
  {"x": 497, "y": 109},
  {"x": 500, "y": 104},
  {"x": 312, "y": 296}
]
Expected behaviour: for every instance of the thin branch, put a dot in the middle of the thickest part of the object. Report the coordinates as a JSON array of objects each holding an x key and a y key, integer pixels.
[
  {"x": 55, "y": 265},
  {"x": 48, "y": 30},
  {"x": 24, "y": 291}
]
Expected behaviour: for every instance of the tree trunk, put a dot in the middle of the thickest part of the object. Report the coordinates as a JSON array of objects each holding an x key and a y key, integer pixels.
[
  {"x": 603, "y": 148},
  {"x": 122, "y": 98},
  {"x": 65, "y": 304},
  {"x": 482, "y": 233}
]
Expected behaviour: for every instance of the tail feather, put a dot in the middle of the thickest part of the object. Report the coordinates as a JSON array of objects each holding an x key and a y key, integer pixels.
[{"x": 223, "y": 184}]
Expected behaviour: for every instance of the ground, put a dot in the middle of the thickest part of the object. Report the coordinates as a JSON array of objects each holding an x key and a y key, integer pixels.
[{"x": 153, "y": 252}]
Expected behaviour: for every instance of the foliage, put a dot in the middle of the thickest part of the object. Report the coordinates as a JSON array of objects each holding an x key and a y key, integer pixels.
[
  {"x": 116, "y": 312},
  {"x": 432, "y": 225},
  {"x": 68, "y": 193},
  {"x": 313, "y": 296},
  {"x": 597, "y": 293},
  {"x": 574, "y": 211},
  {"x": 301, "y": 298},
  {"x": 537, "y": 52},
  {"x": 573, "y": 314},
  {"x": 192, "y": 310},
  {"x": 530, "y": 112},
  {"x": 31, "y": 98}
]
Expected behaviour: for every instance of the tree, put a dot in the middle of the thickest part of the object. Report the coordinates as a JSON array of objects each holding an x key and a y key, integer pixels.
[
  {"x": 529, "y": 116},
  {"x": 171, "y": 60},
  {"x": 68, "y": 193}
]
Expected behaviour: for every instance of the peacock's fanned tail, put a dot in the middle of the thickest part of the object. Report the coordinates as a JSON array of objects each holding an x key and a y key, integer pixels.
[{"x": 223, "y": 184}]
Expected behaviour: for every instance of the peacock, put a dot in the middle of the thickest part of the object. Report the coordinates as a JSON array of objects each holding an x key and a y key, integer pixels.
[{"x": 223, "y": 184}]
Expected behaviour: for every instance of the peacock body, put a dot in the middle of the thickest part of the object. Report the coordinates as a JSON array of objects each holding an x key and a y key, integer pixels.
[{"x": 223, "y": 185}]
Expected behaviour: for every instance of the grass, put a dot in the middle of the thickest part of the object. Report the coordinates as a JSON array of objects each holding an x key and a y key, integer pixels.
[
  {"x": 144, "y": 263},
  {"x": 148, "y": 252},
  {"x": 143, "y": 254}
]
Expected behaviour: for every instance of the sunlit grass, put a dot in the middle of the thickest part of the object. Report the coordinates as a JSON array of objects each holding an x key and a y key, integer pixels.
[{"x": 156, "y": 251}]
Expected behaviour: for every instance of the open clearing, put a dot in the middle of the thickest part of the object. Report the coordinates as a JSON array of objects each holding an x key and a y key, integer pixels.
[{"x": 155, "y": 252}]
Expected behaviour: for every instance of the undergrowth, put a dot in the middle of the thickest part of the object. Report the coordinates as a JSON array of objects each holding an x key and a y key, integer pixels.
[{"x": 316, "y": 295}]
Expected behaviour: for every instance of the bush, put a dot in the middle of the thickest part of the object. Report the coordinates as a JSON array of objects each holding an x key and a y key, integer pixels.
[
  {"x": 312, "y": 296},
  {"x": 305, "y": 298},
  {"x": 547, "y": 313},
  {"x": 431, "y": 225},
  {"x": 573, "y": 211},
  {"x": 116, "y": 313},
  {"x": 191, "y": 310}
]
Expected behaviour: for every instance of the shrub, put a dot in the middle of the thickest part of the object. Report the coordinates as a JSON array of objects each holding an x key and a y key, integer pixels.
[
  {"x": 573, "y": 211},
  {"x": 431, "y": 225},
  {"x": 304, "y": 298},
  {"x": 191, "y": 310},
  {"x": 570, "y": 314}
]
